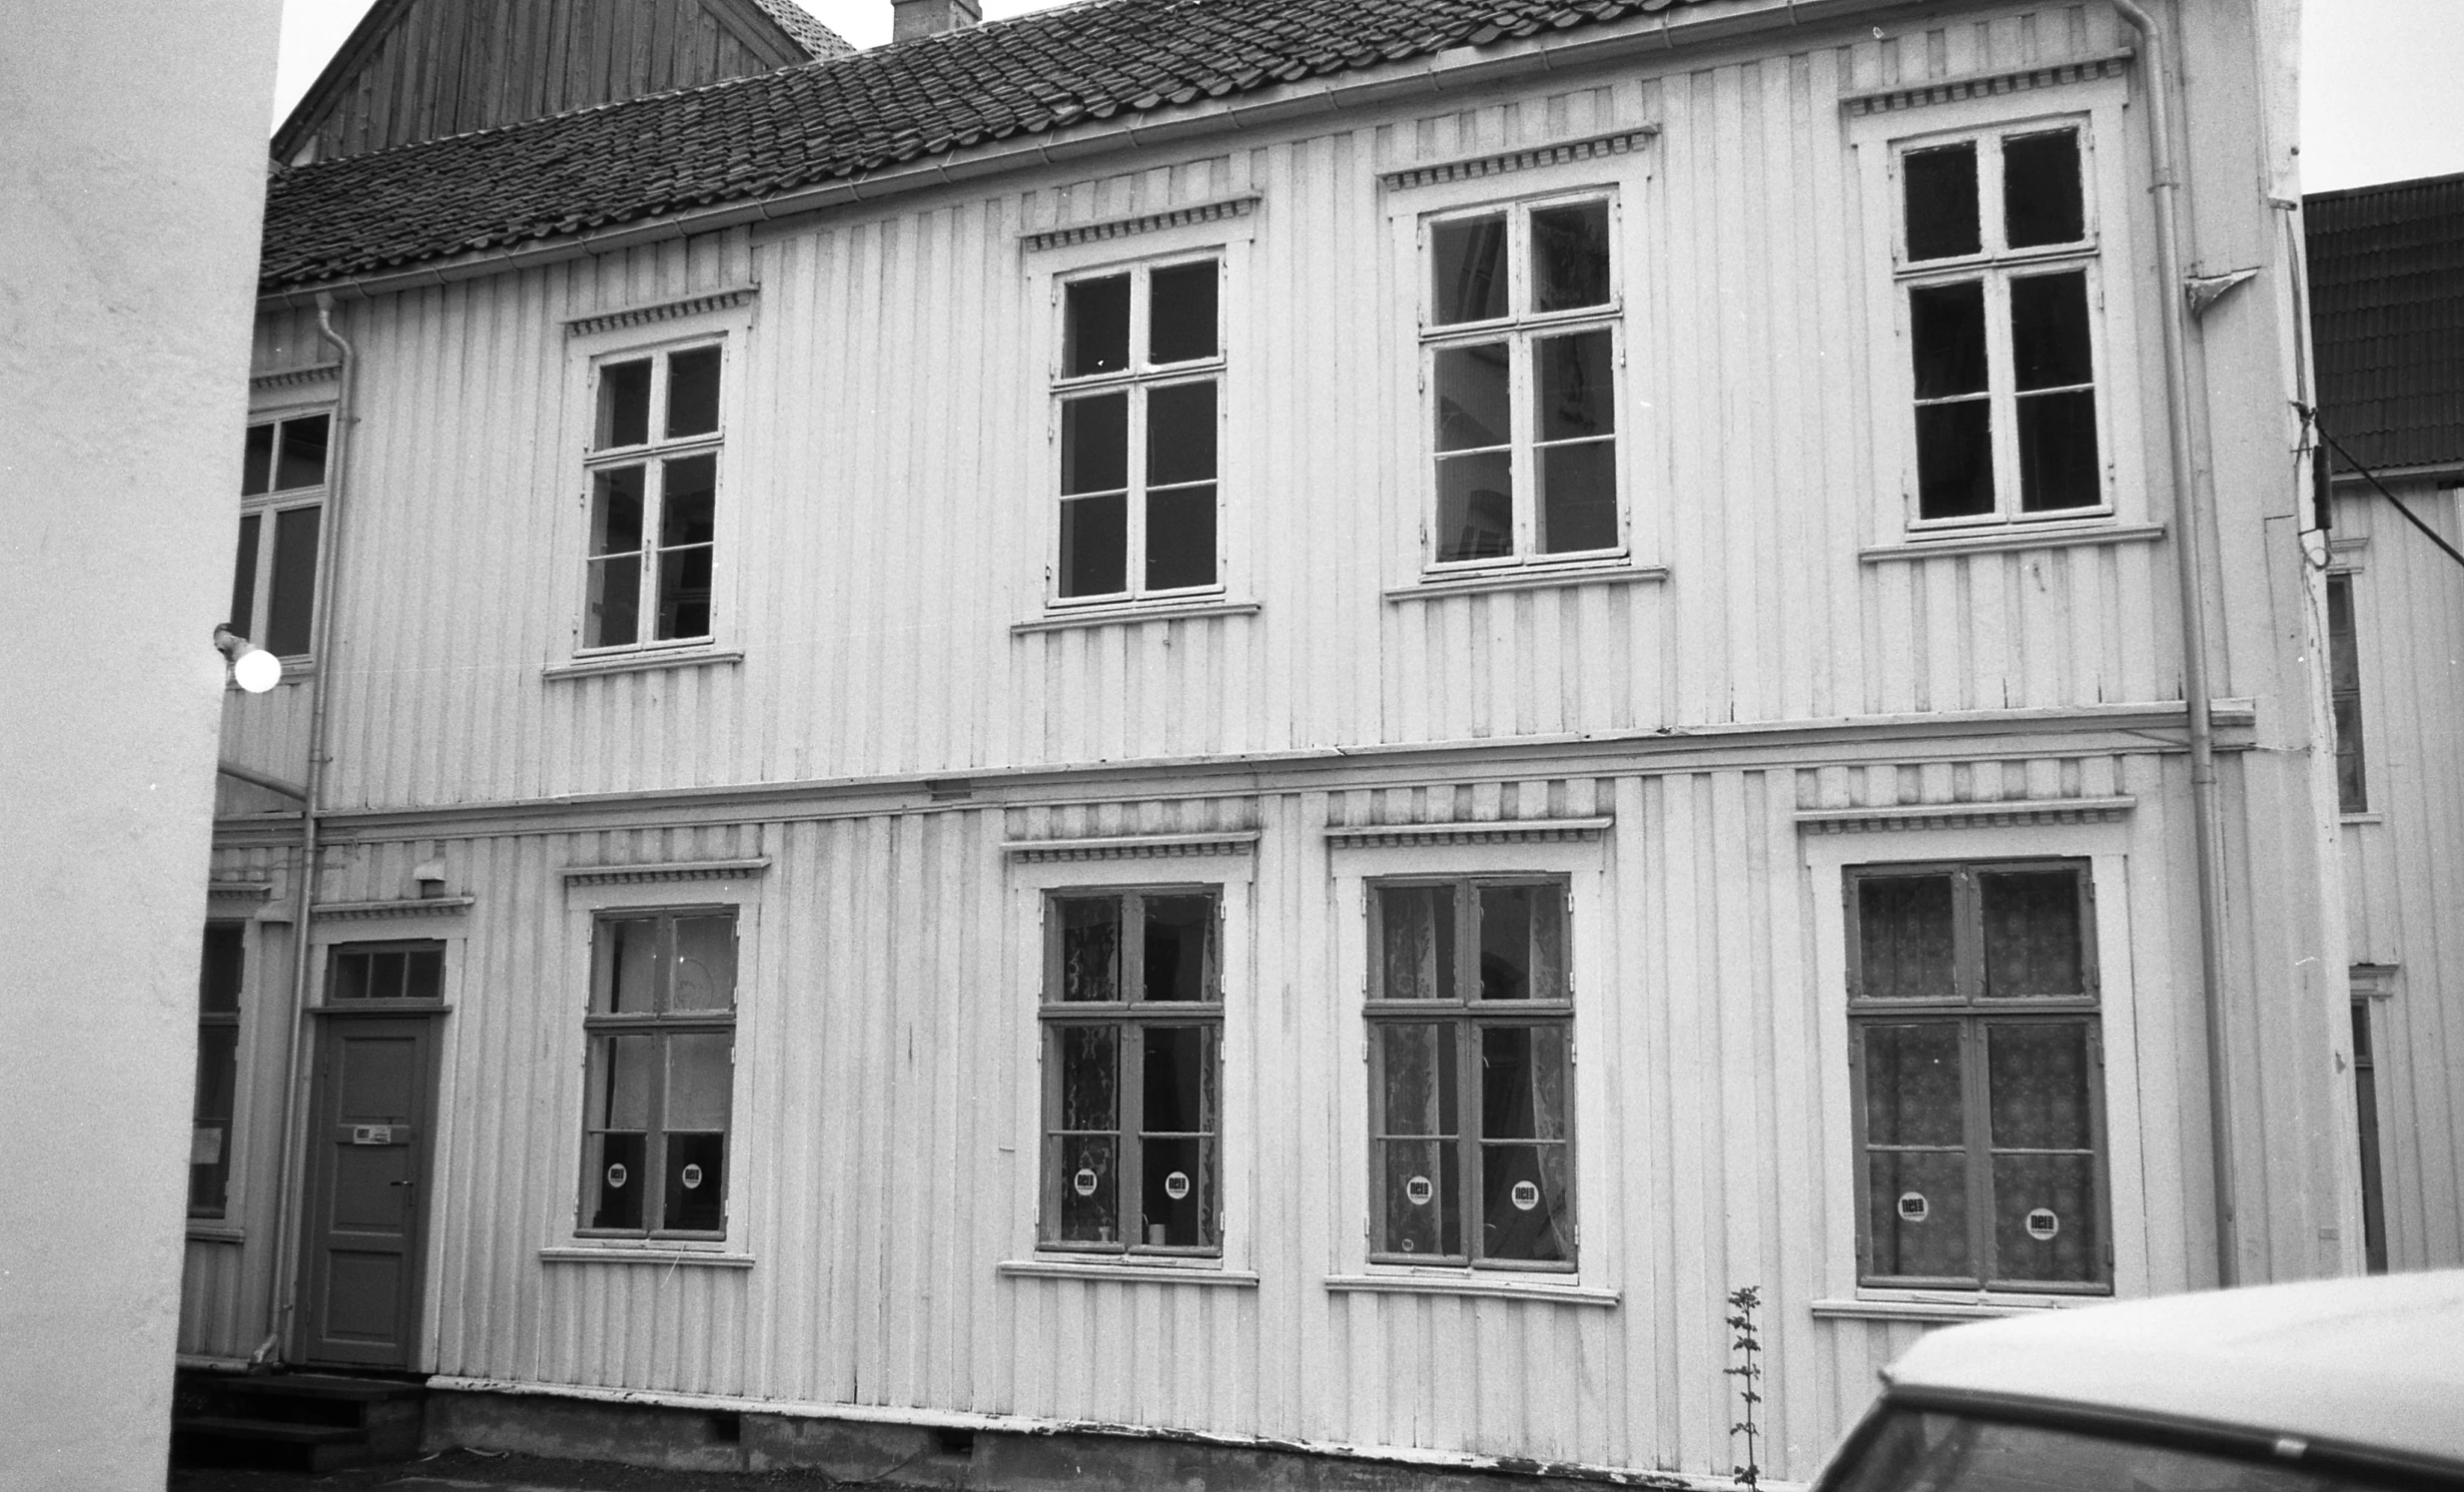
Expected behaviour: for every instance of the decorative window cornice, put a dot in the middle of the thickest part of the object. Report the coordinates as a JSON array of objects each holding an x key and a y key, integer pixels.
[
  {"x": 643, "y": 315},
  {"x": 297, "y": 377},
  {"x": 1555, "y": 153},
  {"x": 2373, "y": 981},
  {"x": 1981, "y": 85},
  {"x": 425, "y": 906},
  {"x": 680, "y": 870},
  {"x": 1132, "y": 847},
  {"x": 254, "y": 891},
  {"x": 1215, "y": 211},
  {"x": 2016, "y": 813},
  {"x": 1491, "y": 832}
]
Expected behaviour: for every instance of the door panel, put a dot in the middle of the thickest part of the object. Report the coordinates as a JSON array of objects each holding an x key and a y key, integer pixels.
[{"x": 369, "y": 1139}]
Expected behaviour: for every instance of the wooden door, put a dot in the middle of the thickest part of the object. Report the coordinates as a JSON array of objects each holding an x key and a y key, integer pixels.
[{"x": 370, "y": 1136}]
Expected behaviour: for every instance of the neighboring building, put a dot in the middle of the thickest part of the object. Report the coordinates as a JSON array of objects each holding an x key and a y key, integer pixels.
[
  {"x": 1238, "y": 728},
  {"x": 2387, "y": 323}
]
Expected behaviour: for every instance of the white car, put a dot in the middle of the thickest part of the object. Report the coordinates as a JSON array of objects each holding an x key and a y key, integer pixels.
[{"x": 2316, "y": 1387}]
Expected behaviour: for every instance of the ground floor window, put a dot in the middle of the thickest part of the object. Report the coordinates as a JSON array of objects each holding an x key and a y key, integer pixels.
[
  {"x": 2366, "y": 1111},
  {"x": 1977, "y": 1043},
  {"x": 662, "y": 1032},
  {"x": 217, "y": 1067}
]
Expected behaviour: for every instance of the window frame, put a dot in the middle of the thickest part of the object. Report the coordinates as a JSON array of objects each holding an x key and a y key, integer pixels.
[
  {"x": 266, "y": 510},
  {"x": 1973, "y": 1012},
  {"x": 598, "y": 1026},
  {"x": 1519, "y": 327},
  {"x": 1470, "y": 1014},
  {"x": 1130, "y": 1019},
  {"x": 2352, "y": 746},
  {"x": 1137, "y": 380},
  {"x": 213, "y": 1020}
]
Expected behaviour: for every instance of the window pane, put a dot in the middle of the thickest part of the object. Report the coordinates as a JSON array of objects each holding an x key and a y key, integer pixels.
[
  {"x": 625, "y": 403},
  {"x": 1418, "y": 1189},
  {"x": 693, "y": 392},
  {"x": 1181, "y": 313},
  {"x": 291, "y": 608},
  {"x": 616, "y": 1178},
  {"x": 1416, "y": 924},
  {"x": 2037, "y": 1076},
  {"x": 1475, "y": 506},
  {"x": 1180, "y": 543},
  {"x": 1578, "y": 496},
  {"x": 1522, "y": 942},
  {"x": 1946, "y": 326},
  {"x": 1090, "y": 1184},
  {"x": 1916, "y": 1213},
  {"x": 218, "y": 1049},
  {"x": 1468, "y": 266},
  {"x": 243, "y": 579},
  {"x": 1180, "y": 1079},
  {"x": 696, "y": 1177},
  {"x": 624, "y": 963},
  {"x": 1095, "y": 336},
  {"x": 257, "y": 460},
  {"x": 1417, "y": 1063},
  {"x": 303, "y": 463},
  {"x": 689, "y": 501},
  {"x": 1094, "y": 443},
  {"x": 220, "y": 974},
  {"x": 2344, "y": 695},
  {"x": 1942, "y": 200},
  {"x": 1180, "y": 430},
  {"x": 1569, "y": 257},
  {"x": 1955, "y": 459},
  {"x": 1176, "y": 1150},
  {"x": 2343, "y": 646},
  {"x": 1577, "y": 392},
  {"x": 1095, "y": 545},
  {"x": 627, "y": 1066},
  {"x": 2049, "y": 331},
  {"x": 1090, "y": 948},
  {"x": 1179, "y": 948},
  {"x": 2057, "y": 451},
  {"x": 348, "y": 976},
  {"x": 1420, "y": 1177},
  {"x": 1524, "y": 1206},
  {"x": 423, "y": 974},
  {"x": 2044, "y": 1220},
  {"x": 1904, "y": 937},
  {"x": 2042, "y": 201},
  {"x": 2031, "y": 933},
  {"x": 614, "y": 618},
  {"x": 705, "y": 971},
  {"x": 1473, "y": 407},
  {"x": 698, "y": 1073},
  {"x": 1177, "y": 1191},
  {"x": 687, "y": 519},
  {"x": 1912, "y": 1084},
  {"x": 1089, "y": 1067},
  {"x": 1523, "y": 1081},
  {"x": 386, "y": 968},
  {"x": 615, "y": 510}
]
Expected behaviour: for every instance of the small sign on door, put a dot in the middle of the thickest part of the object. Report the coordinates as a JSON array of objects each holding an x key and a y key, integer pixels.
[{"x": 371, "y": 1133}]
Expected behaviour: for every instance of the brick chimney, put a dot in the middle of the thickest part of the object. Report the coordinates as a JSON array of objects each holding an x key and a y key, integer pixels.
[{"x": 913, "y": 18}]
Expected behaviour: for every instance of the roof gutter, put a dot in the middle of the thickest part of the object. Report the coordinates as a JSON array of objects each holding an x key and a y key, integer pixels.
[{"x": 1129, "y": 131}]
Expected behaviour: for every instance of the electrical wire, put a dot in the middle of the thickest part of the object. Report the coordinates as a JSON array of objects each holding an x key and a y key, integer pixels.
[{"x": 2309, "y": 416}]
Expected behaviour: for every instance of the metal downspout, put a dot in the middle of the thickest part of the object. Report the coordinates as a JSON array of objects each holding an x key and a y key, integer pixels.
[
  {"x": 2189, "y": 544},
  {"x": 296, "y": 1070}
]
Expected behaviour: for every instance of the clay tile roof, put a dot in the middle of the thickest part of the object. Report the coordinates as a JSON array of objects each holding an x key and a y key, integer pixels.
[
  {"x": 754, "y": 137},
  {"x": 2387, "y": 319},
  {"x": 817, "y": 40}
]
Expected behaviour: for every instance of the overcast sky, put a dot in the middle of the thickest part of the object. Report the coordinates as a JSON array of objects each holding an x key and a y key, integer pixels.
[{"x": 2382, "y": 80}]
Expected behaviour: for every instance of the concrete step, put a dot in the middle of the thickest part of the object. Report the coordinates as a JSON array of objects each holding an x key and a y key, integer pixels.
[
  {"x": 311, "y": 1421},
  {"x": 222, "y": 1439}
]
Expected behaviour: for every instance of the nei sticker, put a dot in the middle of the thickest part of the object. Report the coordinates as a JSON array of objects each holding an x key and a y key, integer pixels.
[
  {"x": 1526, "y": 1196},
  {"x": 692, "y": 1178},
  {"x": 1177, "y": 1186},
  {"x": 1914, "y": 1207},
  {"x": 1418, "y": 1192},
  {"x": 1084, "y": 1183},
  {"x": 617, "y": 1176},
  {"x": 2043, "y": 1224}
]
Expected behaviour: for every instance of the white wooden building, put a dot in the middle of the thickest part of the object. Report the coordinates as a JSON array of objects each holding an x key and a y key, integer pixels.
[{"x": 1670, "y": 515}]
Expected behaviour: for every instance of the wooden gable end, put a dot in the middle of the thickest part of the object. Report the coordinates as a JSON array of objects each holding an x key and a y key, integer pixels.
[{"x": 421, "y": 69}]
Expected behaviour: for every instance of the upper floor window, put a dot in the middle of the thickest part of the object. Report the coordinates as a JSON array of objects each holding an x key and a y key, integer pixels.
[
  {"x": 662, "y": 1033},
  {"x": 653, "y": 469},
  {"x": 1521, "y": 348},
  {"x": 281, "y": 507},
  {"x": 2344, "y": 695},
  {"x": 1998, "y": 262},
  {"x": 1139, "y": 400}
]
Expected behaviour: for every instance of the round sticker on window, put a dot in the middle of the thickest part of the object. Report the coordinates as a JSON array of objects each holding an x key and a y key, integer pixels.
[
  {"x": 2043, "y": 1224},
  {"x": 1177, "y": 1186},
  {"x": 1526, "y": 1196},
  {"x": 1417, "y": 1192},
  {"x": 1084, "y": 1183},
  {"x": 1913, "y": 1207},
  {"x": 691, "y": 1178},
  {"x": 617, "y": 1176}
]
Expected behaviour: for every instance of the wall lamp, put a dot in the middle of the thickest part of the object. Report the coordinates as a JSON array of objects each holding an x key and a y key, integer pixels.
[{"x": 252, "y": 667}]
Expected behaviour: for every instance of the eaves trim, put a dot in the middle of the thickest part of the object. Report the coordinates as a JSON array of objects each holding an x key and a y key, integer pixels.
[{"x": 1924, "y": 91}]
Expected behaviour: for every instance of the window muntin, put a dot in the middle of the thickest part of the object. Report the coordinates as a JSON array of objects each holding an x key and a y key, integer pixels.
[
  {"x": 1471, "y": 1086},
  {"x": 654, "y": 470},
  {"x": 1997, "y": 264},
  {"x": 662, "y": 1031},
  {"x": 2344, "y": 696},
  {"x": 281, "y": 492},
  {"x": 1132, "y": 1030},
  {"x": 1137, "y": 410},
  {"x": 1976, "y": 1043},
  {"x": 219, "y": 975},
  {"x": 1522, "y": 351}
]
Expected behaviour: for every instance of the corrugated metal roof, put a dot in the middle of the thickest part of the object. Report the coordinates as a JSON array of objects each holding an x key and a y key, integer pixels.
[
  {"x": 2387, "y": 318},
  {"x": 753, "y": 136}
]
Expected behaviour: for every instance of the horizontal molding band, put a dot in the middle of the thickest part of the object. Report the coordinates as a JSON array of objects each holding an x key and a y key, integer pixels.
[
  {"x": 1450, "y": 1284},
  {"x": 1106, "y": 616},
  {"x": 1134, "y": 846},
  {"x": 586, "y": 669},
  {"x": 664, "y": 310},
  {"x": 680, "y": 870},
  {"x": 1520, "y": 158},
  {"x": 1214, "y": 210},
  {"x": 425, "y": 906},
  {"x": 1438, "y": 587},
  {"x": 666, "y": 1258},
  {"x": 1482, "y": 832},
  {"x": 1982, "y": 85},
  {"x": 256, "y": 891},
  {"x": 295, "y": 377},
  {"x": 2001, "y": 814},
  {"x": 1245, "y": 1280},
  {"x": 2005, "y": 540}
]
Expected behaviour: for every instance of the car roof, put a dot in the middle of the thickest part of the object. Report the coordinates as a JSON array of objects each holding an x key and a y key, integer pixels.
[{"x": 2375, "y": 1362}]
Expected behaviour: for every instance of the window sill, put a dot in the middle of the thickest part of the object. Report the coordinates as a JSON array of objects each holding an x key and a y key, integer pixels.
[
  {"x": 595, "y": 666},
  {"x": 1484, "y": 582},
  {"x": 2367, "y": 816},
  {"x": 2002, "y": 540},
  {"x": 1208, "y": 1273},
  {"x": 1131, "y": 612},
  {"x": 205, "y": 1230},
  {"x": 1467, "y": 1283},
  {"x": 1968, "y": 1307},
  {"x": 609, "y": 1253}
]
